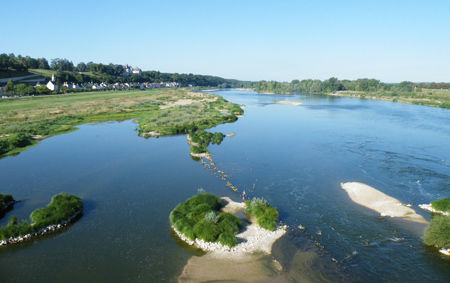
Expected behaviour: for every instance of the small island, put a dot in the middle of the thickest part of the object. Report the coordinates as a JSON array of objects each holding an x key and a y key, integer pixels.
[
  {"x": 200, "y": 140},
  {"x": 60, "y": 212},
  {"x": 437, "y": 234},
  {"x": 208, "y": 222}
]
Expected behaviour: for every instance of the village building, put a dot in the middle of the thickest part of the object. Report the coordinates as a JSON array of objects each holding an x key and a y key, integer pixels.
[{"x": 51, "y": 85}]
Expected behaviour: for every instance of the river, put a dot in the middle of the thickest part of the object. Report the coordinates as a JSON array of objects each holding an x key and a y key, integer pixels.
[{"x": 293, "y": 156}]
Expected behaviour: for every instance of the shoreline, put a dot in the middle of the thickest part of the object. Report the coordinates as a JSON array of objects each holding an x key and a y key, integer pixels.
[
  {"x": 431, "y": 209},
  {"x": 43, "y": 231}
]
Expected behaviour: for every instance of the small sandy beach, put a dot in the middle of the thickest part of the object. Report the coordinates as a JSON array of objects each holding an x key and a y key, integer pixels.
[
  {"x": 293, "y": 103},
  {"x": 373, "y": 199}
]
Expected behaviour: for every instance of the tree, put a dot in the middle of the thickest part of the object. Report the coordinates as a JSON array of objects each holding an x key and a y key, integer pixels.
[{"x": 9, "y": 89}]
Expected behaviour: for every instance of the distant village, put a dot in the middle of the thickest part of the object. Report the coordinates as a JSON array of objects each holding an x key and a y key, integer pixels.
[
  {"x": 91, "y": 86},
  {"x": 128, "y": 70}
]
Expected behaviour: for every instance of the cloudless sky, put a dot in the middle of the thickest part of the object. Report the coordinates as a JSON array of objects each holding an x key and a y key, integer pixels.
[{"x": 249, "y": 40}]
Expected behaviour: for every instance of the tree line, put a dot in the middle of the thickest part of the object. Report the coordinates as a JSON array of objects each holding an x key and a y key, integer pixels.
[{"x": 333, "y": 85}]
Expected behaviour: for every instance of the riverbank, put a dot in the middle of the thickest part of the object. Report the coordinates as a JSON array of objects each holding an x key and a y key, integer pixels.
[{"x": 159, "y": 112}]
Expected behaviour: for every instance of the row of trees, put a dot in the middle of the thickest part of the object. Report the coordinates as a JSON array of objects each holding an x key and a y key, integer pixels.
[
  {"x": 332, "y": 85},
  {"x": 10, "y": 62}
]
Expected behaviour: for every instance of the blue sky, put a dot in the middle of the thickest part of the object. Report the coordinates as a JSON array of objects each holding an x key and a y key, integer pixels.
[{"x": 251, "y": 40}]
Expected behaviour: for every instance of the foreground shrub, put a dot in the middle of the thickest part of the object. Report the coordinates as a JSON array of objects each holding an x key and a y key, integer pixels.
[
  {"x": 438, "y": 232},
  {"x": 200, "y": 217},
  {"x": 441, "y": 204},
  {"x": 266, "y": 215}
]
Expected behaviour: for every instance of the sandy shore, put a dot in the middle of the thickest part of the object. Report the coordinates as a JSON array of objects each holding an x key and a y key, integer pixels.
[
  {"x": 373, "y": 199},
  {"x": 293, "y": 103}
]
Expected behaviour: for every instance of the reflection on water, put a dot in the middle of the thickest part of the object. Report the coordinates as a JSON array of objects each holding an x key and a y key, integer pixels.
[{"x": 294, "y": 156}]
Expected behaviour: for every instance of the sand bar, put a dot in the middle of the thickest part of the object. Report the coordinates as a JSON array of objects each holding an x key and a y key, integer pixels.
[
  {"x": 373, "y": 199},
  {"x": 294, "y": 103}
]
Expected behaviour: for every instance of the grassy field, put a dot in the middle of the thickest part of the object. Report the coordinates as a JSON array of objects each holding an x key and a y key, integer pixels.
[
  {"x": 429, "y": 97},
  {"x": 159, "y": 112}
]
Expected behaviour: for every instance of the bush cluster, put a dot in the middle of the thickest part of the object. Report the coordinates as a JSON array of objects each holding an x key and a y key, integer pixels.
[
  {"x": 13, "y": 141},
  {"x": 61, "y": 208},
  {"x": 5, "y": 203},
  {"x": 441, "y": 204},
  {"x": 438, "y": 232},
  {"x": 200, "y": 217},
  {"x": 266, "y": 215},
  {"x": 202, "y": 139}
]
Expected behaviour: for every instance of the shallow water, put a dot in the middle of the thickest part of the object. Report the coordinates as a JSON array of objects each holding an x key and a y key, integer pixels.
[{"x": 295, "y": 157}]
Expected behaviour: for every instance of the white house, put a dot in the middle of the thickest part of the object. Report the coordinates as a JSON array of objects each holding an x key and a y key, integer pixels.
[
  {"x": 51, "y": 85},
  {"x": 136, "y": 70}
]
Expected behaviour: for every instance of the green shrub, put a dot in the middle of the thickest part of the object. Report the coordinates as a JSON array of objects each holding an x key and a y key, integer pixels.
[
  {"x": 266, "y": 215},
  {"x": 5, "y": 201},
  {"x": 61, "y": 208},
  {"x": 206, "y": 230},
  {"x": 438, "y": 232},
  {"x": 228, "y": 239},
  {"x": 200, "y": 217},
  {"x": 441, "y": 204}
]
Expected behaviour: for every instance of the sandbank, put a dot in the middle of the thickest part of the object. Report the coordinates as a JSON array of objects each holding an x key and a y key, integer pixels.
[
  {"x": 373, "y": 199},
  {"x": 294, "y": 103}
]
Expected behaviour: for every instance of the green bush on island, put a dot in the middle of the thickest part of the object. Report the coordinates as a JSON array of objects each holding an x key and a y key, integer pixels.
[
  {"x": 62, "y": 207},
  {"x": 437, "y": 233},
  {"x": 5, "y": 203},
  {"x": 200, "y": 217},
  {"x": 201, "y": 140},
  {"x": 266, "y": 215},
  {"x": 441, "y": 204}
]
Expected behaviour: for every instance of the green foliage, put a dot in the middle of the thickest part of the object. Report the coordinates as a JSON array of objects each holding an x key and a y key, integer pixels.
[
  {"x": 61, "y": 208},
  {"x": 441, "y": 204},
  {"x": 5, "y": 203},
  {"x": 200, "y": 217},
  {"x": 202, "y": 139},
  {"x": 228, "y": 239},
  {"x": 438, "y": 232},
  {"x": 266, "y": 215}
]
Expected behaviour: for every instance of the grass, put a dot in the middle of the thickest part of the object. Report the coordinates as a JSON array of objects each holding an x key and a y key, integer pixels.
[
  {"x": 437, "y": 233},
  {"x": 441, "y": 204},
  {"x": 6, "y": 202},
  {"x": 61, "y": 208},
  {"x": 200, "y": 217},
  {"x": 22, "y": 119},
  {"x": 265, "y": 214},
  {"x": 428, "y": 97}
]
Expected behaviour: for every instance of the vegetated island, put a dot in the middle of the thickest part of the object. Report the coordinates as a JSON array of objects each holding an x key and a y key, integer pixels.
[
  {"x": 437, "y": 233},
  {"x": 205, "y": 222},
  {"x": 6, "y": 203},
  {"x": 62, "y": 210},
  {"x": 159, "y": 112}
]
